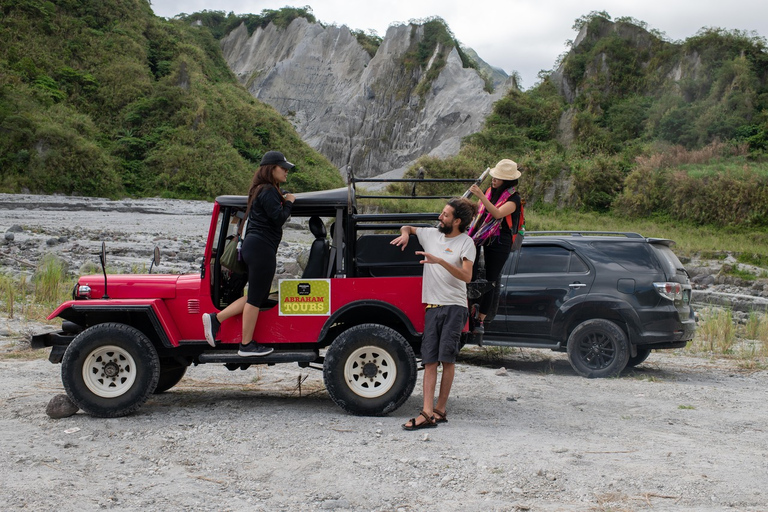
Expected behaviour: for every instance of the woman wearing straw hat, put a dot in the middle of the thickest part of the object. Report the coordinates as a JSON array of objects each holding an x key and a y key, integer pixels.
[{"x": 498, "y": 217}]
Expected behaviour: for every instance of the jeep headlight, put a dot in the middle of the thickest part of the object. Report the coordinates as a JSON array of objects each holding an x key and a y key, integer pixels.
[{"x": 82, "y": 291}]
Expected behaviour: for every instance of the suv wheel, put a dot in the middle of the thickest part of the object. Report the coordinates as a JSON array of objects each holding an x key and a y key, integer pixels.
[
  {"x": 370, "y": 370},
  {"x": 598, "y": 348},
  {"x": 109, "y": 370}
]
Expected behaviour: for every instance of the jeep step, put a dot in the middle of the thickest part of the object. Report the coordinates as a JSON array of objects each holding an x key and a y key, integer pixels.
[{"x": 278, "y": 356}]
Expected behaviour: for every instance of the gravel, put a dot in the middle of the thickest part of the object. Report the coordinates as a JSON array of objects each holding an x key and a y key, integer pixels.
[{"x": 524, "y": 431}]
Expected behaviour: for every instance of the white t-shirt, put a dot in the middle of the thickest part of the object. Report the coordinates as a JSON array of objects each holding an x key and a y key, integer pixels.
[{"x": 439, "y": 286}]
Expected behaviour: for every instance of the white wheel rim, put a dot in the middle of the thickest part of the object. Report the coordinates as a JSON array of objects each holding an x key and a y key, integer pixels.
[
  {"x": 109, "y": 371},
  {"x": 370, "y": 371}
]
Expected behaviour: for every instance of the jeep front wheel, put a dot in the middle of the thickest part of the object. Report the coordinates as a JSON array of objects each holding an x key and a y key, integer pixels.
[
  {"x": 598, "y": 348},
  {"x": 370, "y": 370},
  {"x": 109, "y": 370}
]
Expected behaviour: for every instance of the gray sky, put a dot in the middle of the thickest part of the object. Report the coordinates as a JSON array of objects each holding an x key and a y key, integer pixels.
[{"x": 516, "y": 35}]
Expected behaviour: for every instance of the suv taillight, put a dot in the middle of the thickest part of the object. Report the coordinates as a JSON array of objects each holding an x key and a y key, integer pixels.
[{"x": 671, "y": 291}]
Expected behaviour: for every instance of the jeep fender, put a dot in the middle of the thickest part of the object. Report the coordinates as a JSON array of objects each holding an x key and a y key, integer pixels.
[
  {"x": 371, "y": 311},
  {"x": 151, "y": 317},
  {"x": 595, "y": 306}
]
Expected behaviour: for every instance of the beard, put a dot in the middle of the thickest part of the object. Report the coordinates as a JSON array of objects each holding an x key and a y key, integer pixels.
[{"x": 446, "y": 230}]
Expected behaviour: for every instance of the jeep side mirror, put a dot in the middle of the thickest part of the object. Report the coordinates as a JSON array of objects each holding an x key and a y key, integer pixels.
[
  {"x": 155, "y": 259},
  {"x": 103, "y": 258}
]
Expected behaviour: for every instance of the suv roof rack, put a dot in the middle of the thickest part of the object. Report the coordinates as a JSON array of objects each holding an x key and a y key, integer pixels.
[{"x": 586, "y": 233}]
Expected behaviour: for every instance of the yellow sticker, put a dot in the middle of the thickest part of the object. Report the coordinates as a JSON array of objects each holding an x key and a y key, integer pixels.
[{"x": 303, "y": 297}]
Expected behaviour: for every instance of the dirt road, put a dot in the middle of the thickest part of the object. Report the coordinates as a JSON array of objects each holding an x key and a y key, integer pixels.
[{"x": 675, "y": 434}]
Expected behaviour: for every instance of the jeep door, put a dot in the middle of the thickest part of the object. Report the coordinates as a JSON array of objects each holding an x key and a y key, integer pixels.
[{"x": 535, "y": 284}]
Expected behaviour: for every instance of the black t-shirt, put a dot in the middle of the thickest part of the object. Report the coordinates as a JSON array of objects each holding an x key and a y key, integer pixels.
[{"x": 269, "y": 212}]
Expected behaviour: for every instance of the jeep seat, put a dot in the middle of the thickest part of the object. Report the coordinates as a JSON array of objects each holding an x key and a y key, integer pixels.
[
  {"x": 319, "y": 252},
  {"x": 377, "y": 257}
]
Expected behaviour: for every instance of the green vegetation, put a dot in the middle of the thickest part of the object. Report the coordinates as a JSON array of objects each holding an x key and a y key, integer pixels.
[
  {"x": 634, "y": 144},
  {"x": 718, "y": 335},
  {"x": 105, "y": 99},
  {"x": 48, "y": 279},
  {"x": 369, "y": 41},
  {"x": 221, "y": 24},
  {"x": 34, "y": 299},
  {"x": 715, "y": 332},
  {"x": 432, "y": 50}
]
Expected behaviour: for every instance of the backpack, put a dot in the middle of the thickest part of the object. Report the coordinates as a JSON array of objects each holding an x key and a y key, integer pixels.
[{"x": 518, "y": 232}]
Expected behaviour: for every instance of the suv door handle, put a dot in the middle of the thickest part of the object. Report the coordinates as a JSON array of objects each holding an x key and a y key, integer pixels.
[{"x": 576, "y": 285}]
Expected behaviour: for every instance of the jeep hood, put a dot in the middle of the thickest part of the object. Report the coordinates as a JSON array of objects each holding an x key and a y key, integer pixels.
[{"x": 132, "y": 286}]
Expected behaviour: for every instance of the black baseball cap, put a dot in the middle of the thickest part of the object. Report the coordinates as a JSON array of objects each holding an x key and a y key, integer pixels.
[{"x": 276, "y": 158}]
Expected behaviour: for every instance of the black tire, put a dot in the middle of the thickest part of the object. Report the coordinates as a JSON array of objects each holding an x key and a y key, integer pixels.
[
  {"x": 109, "y": 370},
  {"x": 370, "y": 370},
  {"x": 598, "y": 348},
  {"x": 642, "y": 355},
  {"x": 170, "y": 375}
]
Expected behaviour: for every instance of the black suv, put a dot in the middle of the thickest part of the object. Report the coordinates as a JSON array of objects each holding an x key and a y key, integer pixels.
[{"x": 607, "y": 299}]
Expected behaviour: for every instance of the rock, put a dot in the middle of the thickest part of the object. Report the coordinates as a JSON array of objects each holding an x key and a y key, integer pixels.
[
  {"x": 302, "y": 258},
  {"x": 52, "y": 241},
  {"x": 363, "y": 113},
  {"x": 16, "y": 228},
  {"x": 9, "y": 236},
  {"x": 502, "y": 372},
  {"x": 61, "y": 406}
]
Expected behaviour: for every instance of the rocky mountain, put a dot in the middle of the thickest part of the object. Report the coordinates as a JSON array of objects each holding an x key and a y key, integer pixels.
[{"x": 367, "y": 114}]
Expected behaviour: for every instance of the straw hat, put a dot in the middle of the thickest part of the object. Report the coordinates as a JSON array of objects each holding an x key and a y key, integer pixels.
[{"x": 506, "y": 170}]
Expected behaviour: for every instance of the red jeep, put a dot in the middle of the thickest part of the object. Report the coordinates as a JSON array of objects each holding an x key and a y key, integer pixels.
[{"x": 355, "y": 313}]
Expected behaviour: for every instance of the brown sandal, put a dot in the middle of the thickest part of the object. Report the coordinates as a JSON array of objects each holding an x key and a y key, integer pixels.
[
  {"x": 440, "y": 416},
  {"x": 412, "y": 425}
]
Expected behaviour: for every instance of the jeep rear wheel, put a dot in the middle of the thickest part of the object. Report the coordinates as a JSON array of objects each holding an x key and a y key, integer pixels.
[
  {"x": 598, "y": 348},
  {"x": 109, "y": 370},
  {"x": 370, "y": 370}
]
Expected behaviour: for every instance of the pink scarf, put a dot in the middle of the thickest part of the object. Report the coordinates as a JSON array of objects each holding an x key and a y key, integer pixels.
[{"x": 483, "y": 230}]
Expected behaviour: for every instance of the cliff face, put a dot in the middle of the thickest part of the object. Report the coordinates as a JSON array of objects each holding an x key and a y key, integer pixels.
[{"x": 364, "y": 114}]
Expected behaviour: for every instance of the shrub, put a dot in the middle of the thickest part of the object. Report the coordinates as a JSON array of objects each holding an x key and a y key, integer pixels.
[{"x": 48, "y": 279}]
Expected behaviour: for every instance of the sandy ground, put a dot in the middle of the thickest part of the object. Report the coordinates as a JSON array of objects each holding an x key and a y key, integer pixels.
[{"x": 524, "y": 431}]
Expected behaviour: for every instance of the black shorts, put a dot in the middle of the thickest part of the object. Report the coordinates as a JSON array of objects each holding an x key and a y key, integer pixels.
[
  {"x": 262, "y": 263},
  {"x": 442, "y": 333}
]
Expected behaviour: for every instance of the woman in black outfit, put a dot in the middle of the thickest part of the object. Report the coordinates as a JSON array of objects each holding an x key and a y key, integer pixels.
[
  {"x": 498, "y": 214},
  {"x": 268, "y": 209}
]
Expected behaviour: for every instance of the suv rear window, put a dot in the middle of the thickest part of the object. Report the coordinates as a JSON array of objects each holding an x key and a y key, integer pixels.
[
  {"x": 670, "y": 262},
  {"x": 635, "y": 257},
  {"x": 546, "y": 259}
]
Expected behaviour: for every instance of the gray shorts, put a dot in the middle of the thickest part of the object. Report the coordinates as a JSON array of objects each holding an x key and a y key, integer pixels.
[{"x": 442, "y": 333}]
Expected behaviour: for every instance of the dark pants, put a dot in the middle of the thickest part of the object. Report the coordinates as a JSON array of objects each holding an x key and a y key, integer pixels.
[{"x": 495, "y": 256}]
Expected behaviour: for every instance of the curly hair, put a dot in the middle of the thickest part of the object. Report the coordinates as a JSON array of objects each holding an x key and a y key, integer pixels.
[{"x": 464, "y": 210}]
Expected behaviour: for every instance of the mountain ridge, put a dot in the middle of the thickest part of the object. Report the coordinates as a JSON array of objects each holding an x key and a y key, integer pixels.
[{"x": 369, "y": 114}]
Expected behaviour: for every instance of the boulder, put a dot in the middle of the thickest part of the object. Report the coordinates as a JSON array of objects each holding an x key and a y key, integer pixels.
[{"x": 61, "y": 406}]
